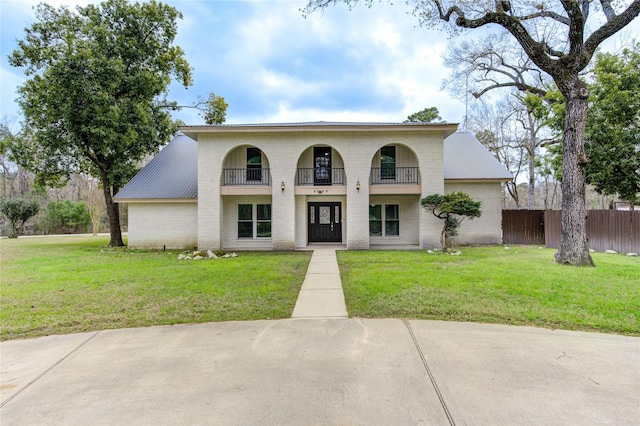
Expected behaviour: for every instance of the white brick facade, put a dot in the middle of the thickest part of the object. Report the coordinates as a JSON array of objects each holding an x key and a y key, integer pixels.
[
  {"x": 171, "y": 225},
  {"x": 284, "y": 152},
  {"x": 487, "y": 229}
]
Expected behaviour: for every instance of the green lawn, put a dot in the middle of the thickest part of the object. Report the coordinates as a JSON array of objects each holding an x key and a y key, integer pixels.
[
  {"x": 71, "y": 284},
  {"x": 490, "y": 284}
]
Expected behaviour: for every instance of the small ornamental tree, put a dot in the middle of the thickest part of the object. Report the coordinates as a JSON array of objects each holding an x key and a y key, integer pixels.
[
  {"x": 18, "y": 211},
  {"x": 452, "y": 208}
]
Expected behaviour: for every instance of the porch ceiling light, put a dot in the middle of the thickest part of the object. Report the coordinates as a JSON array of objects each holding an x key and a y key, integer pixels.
[
  {"x": 358, "y": 186},
  {"x": 282, "y": 186}
]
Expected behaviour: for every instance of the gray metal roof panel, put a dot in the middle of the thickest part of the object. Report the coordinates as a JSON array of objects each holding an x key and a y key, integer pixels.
[
  {"x": 466, "y": 158},
  {"x": 172, "y": 174}
]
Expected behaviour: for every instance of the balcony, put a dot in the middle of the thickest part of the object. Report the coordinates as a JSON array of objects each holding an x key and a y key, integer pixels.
[
  {"x": 394, "y": 180},
  {"x": 232, "y": 177},
  {"x": 320, "y": 176},
  {"x": 246, "y": 182},
  {"x": 395, "y": 176}
]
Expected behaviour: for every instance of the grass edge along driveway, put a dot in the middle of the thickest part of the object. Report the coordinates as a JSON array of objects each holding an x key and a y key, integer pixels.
[{"x": 519, "y": 285}]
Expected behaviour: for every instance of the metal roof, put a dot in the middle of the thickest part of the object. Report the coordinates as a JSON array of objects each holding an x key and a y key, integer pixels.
[
  {"x": 466, "y": 158},
  {"x": 172, "y": 174}
]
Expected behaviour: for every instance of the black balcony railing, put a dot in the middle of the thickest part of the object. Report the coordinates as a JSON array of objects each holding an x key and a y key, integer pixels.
[
  {"x": 320, "y": 176},
  {"x": 394, "y": 175},
  {"x": 246, "y": 177}
]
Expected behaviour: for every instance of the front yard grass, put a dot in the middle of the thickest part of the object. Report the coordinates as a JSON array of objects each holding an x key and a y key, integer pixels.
[
  {"x": 72, "y": 284},
  {"x": 519, "y": 286}
]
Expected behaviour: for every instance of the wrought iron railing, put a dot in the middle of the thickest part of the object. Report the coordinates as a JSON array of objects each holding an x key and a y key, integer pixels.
[
  {"x": 320, "y": 176},
  {"x": 246, "y": 177},
  {"x": 395, "y": 175}
]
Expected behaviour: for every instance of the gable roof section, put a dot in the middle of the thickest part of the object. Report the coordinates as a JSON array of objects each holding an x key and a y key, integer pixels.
[
  {"x": 465, "y": 158},
  {"x": 172, "y": 174}
]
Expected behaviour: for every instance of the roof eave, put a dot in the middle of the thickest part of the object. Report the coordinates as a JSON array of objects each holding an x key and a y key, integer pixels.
[
  {"x": 155, "y": 200},
  {"x": 471, "y": 179},
  {"x": 193, "y": 131}
]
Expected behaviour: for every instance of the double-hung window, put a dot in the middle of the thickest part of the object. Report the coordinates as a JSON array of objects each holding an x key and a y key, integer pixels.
[
  {"x": 254, "y": 221},
  {"x": 384, "y": 220}
]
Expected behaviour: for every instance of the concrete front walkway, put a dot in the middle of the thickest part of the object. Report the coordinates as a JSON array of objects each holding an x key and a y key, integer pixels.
[{"x": 321, "y": 294}]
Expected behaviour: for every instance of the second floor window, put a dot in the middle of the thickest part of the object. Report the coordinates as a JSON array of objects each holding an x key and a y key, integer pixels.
[
  {"x": 254, "y": 164},
  {"x": 388, "y": 162}
]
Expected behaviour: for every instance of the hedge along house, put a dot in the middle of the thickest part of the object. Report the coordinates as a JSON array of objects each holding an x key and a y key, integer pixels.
[{"x": 288, "y": 186}]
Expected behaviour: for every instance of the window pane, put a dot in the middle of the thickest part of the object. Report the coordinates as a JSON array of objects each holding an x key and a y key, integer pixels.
[
  {"x": 325, "y": 215},
  {"x": 245, "y": 229},
  {"x": 375, "y": 212},
  {"x": 245, "y": 212},
  {"x": 264, "y": 229},
  {"x": 264, "y": 212},
  {"x": 391, "y": 211},
  {"x": 388, "y": 154},
  {"x": 312, "y": 214},
  {"x": 391, "y": 228},
  {"x": 375, "y": 227},
  {"x": 254, "y": 156}
]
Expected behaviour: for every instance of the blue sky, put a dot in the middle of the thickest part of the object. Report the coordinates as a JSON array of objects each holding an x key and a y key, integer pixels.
[{"x": 273, "y": 65}]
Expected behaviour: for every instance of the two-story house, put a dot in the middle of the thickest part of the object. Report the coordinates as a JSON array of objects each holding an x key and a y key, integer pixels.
[{"x": 288, "y": 186}]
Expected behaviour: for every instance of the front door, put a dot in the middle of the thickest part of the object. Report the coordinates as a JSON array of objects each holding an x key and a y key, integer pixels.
[
  {"x": 322, "y": 165},
  {"x": 325, "y": 222}
]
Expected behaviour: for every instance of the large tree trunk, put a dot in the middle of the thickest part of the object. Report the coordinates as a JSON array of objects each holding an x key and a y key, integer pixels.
[
  {"x": 531, "y": 189},
  {"x": 574, "y": 247},
  {"x": 113, "y": 213}
]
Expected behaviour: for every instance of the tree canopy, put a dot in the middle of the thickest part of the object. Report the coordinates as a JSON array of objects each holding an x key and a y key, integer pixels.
[
  {"x": 613, "y": 126},
  {"x": 94, "y": 101},
  {"x": 427, "y": 115}
]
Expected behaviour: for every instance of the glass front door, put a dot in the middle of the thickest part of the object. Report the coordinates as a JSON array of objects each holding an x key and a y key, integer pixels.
[{"x": 325, "y": 224}]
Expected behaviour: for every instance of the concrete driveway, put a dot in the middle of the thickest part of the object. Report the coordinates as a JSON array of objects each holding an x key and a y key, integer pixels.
[{"x": 322, "y": 372}]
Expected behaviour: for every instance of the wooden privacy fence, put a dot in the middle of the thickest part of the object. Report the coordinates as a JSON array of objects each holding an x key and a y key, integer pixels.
[
  {"x": 523, "y": 226},
  {"x": 617, "y": 230}
]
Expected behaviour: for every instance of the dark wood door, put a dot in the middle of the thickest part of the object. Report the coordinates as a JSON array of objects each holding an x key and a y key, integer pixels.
[
  {"x": 322, "y": 165},
  {"x": 325, "y": 222}
]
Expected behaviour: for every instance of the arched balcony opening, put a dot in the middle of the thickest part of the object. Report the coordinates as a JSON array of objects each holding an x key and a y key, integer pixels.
[
  {"x": 246, "y": 165},
  {"x": 394, "y": 164},
  {"x": 320, "y": 165}
]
